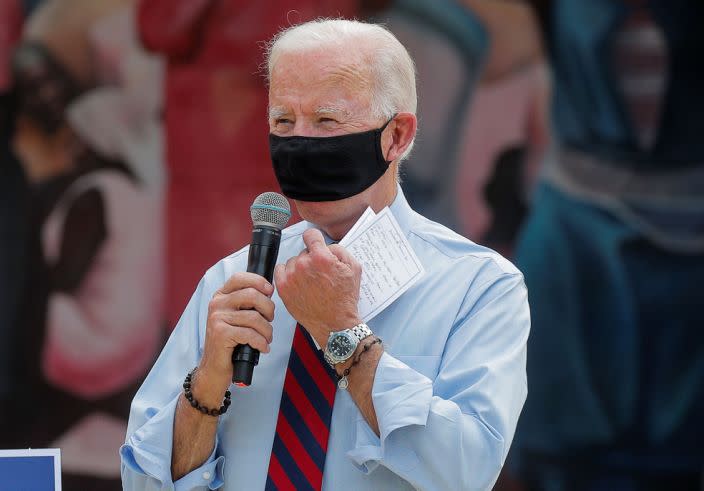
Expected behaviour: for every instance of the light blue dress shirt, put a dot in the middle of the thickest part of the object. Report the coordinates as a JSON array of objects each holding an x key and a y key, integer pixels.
[{"x": 447, "y": 393}]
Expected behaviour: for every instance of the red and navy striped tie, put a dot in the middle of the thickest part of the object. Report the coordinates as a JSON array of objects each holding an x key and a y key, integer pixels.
[{"x": 302, "y": 430}]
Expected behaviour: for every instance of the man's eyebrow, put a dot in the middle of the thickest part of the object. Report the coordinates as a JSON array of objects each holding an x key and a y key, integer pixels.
[
  {"x": 332, "y": 109},
  {"x": 277, "y": 112}
]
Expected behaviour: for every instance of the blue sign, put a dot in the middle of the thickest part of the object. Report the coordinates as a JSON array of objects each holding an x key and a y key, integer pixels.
[{"x": 30, "y": 470}]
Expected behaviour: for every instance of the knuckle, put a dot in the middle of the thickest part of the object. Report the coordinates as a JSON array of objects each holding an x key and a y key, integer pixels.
[
  {"x": 249, "y": 296},
  {"x": 250, "y": 317},
  {"x": 242, "y": 331},
  {"x": 239, "y": 334},
  {"x": 216, "y": 327},
  {"x": 303, "y": 264},
  {"x": 213, "y": 304},
  {"x": 316, "y": 259},
  {"x": 262, "y": 324},
  {"x": 262, "y": 284},
  {"x": 231, "y": 282},
  {"x": 245, "y": 318},
  {"x": 270, "y": 309},
  {"x": 319, "y": 254},
  {"x": 213, "y": 318},
  {"x": 248, "y": 336},
  {"x": 264, "y": 340},
  {"x": 233, "y": 318}
]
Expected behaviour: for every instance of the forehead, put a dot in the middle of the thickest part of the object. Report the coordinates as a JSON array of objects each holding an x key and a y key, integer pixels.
[{"x": 308, "y": 81}]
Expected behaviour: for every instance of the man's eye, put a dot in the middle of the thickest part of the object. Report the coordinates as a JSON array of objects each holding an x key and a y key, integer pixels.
[
  {"x": 326, "y": 120},
  {"x": 282, "y": 121}
]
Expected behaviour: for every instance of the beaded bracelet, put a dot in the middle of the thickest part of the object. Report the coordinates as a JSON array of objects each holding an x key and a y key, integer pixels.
[
  {"x": 343, "y": 383},
  {"x": 194, "y": 402}
]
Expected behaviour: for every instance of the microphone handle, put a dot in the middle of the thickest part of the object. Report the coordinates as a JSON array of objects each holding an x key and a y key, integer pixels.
[{"x": 263, "y": 251}]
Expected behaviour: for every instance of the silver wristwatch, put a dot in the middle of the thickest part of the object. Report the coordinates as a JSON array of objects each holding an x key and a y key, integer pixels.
[{"x": 341, "y": 345}]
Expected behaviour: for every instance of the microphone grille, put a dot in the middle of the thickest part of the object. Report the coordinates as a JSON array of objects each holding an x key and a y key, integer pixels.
[{"x": 270, "y": 209}]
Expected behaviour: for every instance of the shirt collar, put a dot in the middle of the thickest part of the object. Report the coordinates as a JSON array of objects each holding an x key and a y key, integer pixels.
[{"x": 402, "y": 211}]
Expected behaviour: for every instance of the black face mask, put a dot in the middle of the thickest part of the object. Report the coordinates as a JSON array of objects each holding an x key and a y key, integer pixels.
[{"x": 327, "y": 168}]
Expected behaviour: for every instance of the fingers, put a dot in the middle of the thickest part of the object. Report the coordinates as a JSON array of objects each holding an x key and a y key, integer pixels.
[
  {"x": 344, "y": 256},
  {"x": 314, "y": 241},
  {"x": 239, "y": 281},
  {"x": 317, "y": 255},
  {"x": 249, "y": 320},
  {"x": 290, "y": 265},
  {"x": 241, "y": 312},
  {"x": 245, "y": 299},
  {"x": 252, "y": 338},
  {"x": 241, "y": 327}
]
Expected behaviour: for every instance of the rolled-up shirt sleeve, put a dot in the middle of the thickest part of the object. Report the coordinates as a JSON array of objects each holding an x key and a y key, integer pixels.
[
  {"x": 146, "y": 458},
  {"x": 146, "y": 454},
  {"x": 454, "y": 432}
]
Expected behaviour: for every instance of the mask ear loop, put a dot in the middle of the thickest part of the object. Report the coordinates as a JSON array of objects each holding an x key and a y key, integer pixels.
[{"x": 381, "y": 130}]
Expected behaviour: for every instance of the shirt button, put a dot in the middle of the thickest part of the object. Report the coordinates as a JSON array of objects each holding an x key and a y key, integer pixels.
[{"x": 206, "y": 475}]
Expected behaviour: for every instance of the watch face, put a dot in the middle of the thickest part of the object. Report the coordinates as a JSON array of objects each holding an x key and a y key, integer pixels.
[{"x": 341, "y": 346}]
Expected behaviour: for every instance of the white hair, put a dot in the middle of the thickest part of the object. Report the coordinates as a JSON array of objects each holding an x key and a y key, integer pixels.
[{"x": 392, "y": 69}]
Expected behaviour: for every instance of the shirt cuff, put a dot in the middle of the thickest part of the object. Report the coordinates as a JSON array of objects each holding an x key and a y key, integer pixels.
[
  {"x": 401, "y": 398},
  {"x": 148, "y": 452},
  {"x": 209, "y": 474}
]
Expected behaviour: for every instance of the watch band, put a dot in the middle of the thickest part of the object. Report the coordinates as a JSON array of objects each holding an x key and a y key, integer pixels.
[{"x": 361, "y": 331}]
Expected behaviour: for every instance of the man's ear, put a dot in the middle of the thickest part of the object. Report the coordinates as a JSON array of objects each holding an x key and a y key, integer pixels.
[{"x": 399, "y": 135}]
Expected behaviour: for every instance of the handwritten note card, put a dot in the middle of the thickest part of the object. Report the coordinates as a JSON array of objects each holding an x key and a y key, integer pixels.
[{"x": 389, "y": 265}]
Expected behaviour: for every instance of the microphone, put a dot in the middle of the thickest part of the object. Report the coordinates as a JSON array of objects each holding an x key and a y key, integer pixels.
[{"x": 270, "y": 213}]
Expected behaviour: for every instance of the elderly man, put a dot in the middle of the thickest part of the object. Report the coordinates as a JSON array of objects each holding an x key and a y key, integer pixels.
[{"x": 432, "y": 407}]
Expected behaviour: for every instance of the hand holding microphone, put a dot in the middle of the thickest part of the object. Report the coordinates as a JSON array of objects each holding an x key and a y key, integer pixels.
[
  {"x": 270, "y": 213},
  {"x": 240, "y": 312}
]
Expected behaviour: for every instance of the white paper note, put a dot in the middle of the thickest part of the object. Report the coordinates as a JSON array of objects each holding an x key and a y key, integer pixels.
[
  {"x": 365, "y": 219},
  {"x": 389, "y": 265}
]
